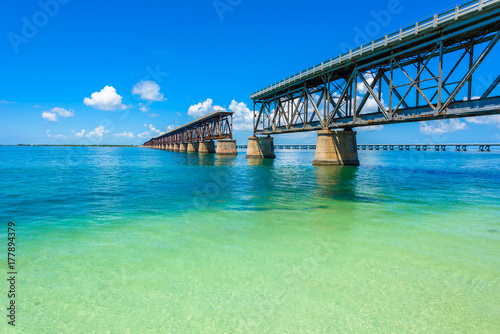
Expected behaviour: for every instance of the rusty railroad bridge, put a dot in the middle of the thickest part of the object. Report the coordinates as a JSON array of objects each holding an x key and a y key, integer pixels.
[{"x": 199, "y": 135}]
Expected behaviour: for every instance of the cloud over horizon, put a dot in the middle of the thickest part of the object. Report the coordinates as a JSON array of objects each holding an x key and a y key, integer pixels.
[
  {"x": 107, "y": 99},
  {"x": 203, "y": 108},
  {"x": 148, "y": 90},
  {"x": 53, "y": 114},
  {"x": 492, "y": 119},
  {"x": 124, "y": 134},
  {"x": 243, "y": 116},
  {"x": 98, "y": 132},
  {"x": 152, "y": 132},
  {"x": 441, "y": 126}
]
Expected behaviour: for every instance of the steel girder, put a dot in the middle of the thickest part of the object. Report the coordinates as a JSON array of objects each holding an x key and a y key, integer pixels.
[{"x": 215, "y": 126}]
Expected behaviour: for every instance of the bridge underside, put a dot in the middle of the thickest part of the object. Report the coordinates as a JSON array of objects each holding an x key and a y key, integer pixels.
[{"x": 426, "y": 75}]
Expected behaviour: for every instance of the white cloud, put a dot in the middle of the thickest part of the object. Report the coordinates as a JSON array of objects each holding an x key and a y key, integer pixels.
[
  {"x": 492, "y": 119},
  {"x": 152, "y": 132},
  {"x": 361, "y": 87},
  {"x": 172, "y": 127},
  {"x": 154, "y": 115},
  {"x": 36, "y": 106},
  {"x": 5, "y": 101},
  {"x": 153, "y": 129},
  {"x": 80, "y": 134},
  {"x": 472, "y": 98},
  {"x": 124, "y": 134},
  {"x": 148, "y": 90},
  {"x": 98, "y": 132},
  {"x": 442, "y": 126},
  {"x": 106, "y": 99},
  {"x": 371, "y": 106},
  {"x": 370, "y": 128},
  {"x": 203, "y": 108},
  {"x": 144, "y": 109},
  {"x": 59, "y": 136},
  {"x": 243, "y": 116},
  {"x": 63, "y": 112},
  {"x": 51, "y": 117},
  {"x": 145, "y": 135},
  {"x": 53, "y": 114}
]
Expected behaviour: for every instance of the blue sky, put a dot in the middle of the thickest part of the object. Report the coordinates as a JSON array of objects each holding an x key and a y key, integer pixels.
[{"x": 115, "y": 72}]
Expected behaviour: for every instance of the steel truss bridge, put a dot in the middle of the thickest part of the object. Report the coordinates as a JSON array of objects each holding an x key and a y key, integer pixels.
[
  {"x": 215, "y": 126},
  {"x": 422, "y": 72}
]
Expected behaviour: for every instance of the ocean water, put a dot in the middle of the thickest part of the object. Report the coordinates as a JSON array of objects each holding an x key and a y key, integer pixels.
[{"x": 137, "y": 240}]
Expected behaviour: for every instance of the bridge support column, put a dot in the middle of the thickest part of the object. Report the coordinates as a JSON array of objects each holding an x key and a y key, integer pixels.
[
  {"x": 182, "y": 147},
  {"x": 206, "y": 147},
  {"x": 260, "y": 147},
  {"x": 192, "y": 146},
  {"x": 176, "y": 147},
  {"x": 336, "y": 148},
  {"x": 226, "y": 147}
]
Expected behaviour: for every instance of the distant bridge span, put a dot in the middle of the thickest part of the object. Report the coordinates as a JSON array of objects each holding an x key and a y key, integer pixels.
[
  {"x": 422, "y": 72},
  {"x": 199, "y": 135}
]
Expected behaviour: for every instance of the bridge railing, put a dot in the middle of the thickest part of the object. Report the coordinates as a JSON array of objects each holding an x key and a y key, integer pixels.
[{"x": 432, "y": 22}]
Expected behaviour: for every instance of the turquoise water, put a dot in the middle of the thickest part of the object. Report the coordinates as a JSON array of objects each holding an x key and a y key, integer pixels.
[{"x": 137, "y": 240}]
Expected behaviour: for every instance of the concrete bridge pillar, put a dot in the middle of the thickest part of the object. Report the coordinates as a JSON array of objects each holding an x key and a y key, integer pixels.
[
  {"x": 226, "y": 147},
  {"x": 192, "y": 146},
  {"x": 182, "y": 147},
  {"x": 336, "y": 148},
  {"x": 260, "y": 147},
  {"x": 176, "y": 147},
  {"x": 206, "y": 147},
  {"x": 170, "y": 147}
]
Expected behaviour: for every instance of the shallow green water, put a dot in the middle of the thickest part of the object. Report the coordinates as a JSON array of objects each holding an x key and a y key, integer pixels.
[{"x": 131, "y": 240}]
